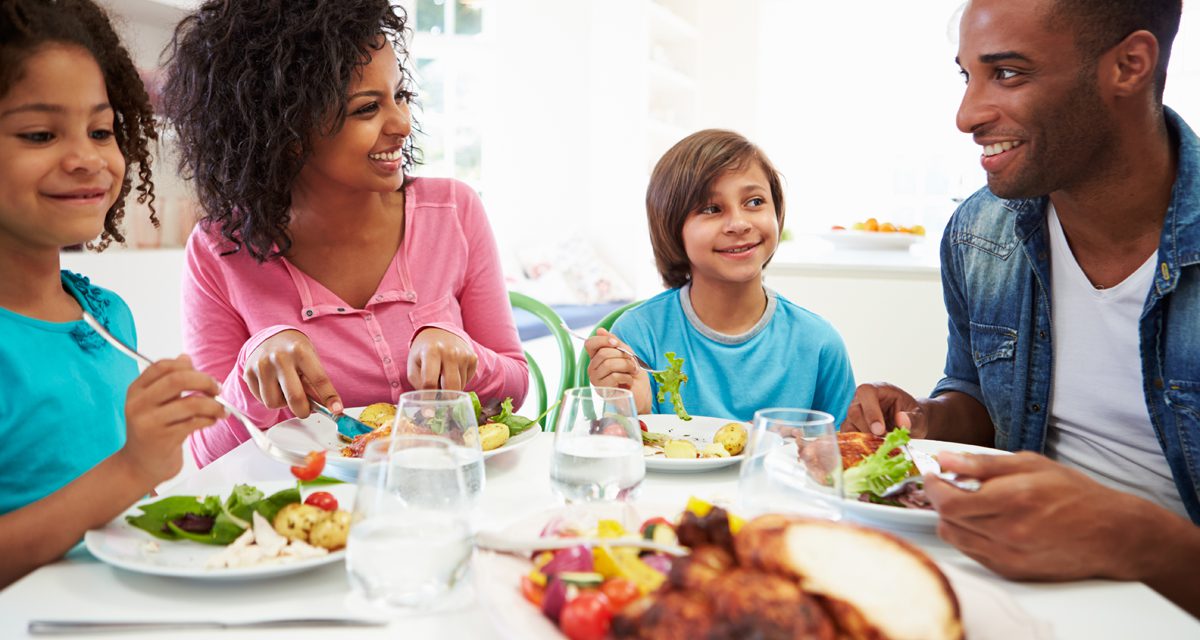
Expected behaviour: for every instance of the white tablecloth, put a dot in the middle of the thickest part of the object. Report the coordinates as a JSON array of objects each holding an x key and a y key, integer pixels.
[{"x": 80, "y": 587}]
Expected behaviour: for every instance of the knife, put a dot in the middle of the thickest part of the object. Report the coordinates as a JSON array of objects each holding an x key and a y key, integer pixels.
[
  {"x": 64, "y": 627},
  {"x": 346, "y": 425}
]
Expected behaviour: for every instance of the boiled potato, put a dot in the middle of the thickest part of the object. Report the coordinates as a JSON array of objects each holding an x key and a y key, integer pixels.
[
  {"x": 296, "y": 520},
  {"x": 680, "y": 449},
  {"x": 378, "y": 414},
  {"x": 714, "y": 450},
  {"x": 733, "y": 437},
  {"x": 492, "y": 435},
  {"x": 330, "y": 532}
]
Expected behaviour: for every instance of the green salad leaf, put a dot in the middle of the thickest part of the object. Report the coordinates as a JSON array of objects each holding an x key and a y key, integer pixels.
[
  {"x": 166, "y": 518},
  {"x": 516, "y": 424},
  {"x": 881, "y": 469},
  {"x": 669, "y": 382}
]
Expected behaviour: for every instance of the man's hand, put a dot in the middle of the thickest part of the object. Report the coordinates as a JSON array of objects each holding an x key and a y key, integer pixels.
[
  {"x": 439, "y": 359},
  {"x": 1035, "y": 519},
  {"x": 878, "y": 407}
]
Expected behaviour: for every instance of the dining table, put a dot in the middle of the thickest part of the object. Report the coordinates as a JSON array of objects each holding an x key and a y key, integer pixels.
[{"x": 517, "y": 486}]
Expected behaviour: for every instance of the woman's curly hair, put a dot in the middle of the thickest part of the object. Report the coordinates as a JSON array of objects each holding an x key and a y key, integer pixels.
[
  {"x": 28, "y": 25},
  {"x": 250, "y": 85}
]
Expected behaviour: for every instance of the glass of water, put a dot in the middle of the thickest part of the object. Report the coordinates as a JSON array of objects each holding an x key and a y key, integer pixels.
[
  {"x": 597, "y": 446},
  {"x": 448, "y": 415},
  {"x": 792, "y": 465},
  {"x": 410, "y": 539}
]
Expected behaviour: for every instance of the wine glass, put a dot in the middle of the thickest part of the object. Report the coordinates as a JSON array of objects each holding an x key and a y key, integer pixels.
[
  {"x": 410, "y": 539},
  {"x": 449, "y": 415},
  {"x": 792, "y": 465},
  {"x": 597, "y": 446}
]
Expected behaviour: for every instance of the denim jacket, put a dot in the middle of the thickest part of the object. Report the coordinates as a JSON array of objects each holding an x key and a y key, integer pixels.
[{"x": 996, "y": 281}]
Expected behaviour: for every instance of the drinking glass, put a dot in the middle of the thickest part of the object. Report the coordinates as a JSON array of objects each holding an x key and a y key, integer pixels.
[
  {"x": 410, "y": 539},
  {"x": 792, "y": 465},
  {"x": 448, "y": 415},
  {"x": 597, "y": 446}
]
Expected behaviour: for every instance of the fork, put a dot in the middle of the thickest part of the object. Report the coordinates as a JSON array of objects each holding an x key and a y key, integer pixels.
[
  {"x": 267, "y": 447},
  {"x": 927, "y": 464},
  {"x": 640, "y": 363}
]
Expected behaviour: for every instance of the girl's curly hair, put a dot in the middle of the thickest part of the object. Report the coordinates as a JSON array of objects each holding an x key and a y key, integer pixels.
[
  {"x": 28, "y": 25},
  {"x": 250, "y": 85}
]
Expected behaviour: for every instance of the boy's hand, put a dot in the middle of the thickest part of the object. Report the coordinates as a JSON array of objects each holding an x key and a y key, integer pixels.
[
  {"x": 610, "y": 367},
  {"x": 158, "y": 416}
]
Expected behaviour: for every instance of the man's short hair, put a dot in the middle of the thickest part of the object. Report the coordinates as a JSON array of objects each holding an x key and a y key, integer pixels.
[{"x": 1100, "y": 24}]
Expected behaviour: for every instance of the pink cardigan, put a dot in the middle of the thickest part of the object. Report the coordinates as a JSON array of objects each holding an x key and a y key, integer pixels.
[{"x": 445, "y": 275}]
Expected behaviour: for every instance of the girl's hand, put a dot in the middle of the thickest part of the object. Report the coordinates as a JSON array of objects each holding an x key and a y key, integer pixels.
[
  {"x": 158, "y": 417},
  {"x": 439, "y": 359},
  {"x": 284, "y": 370},
  {"x": 610, "y": 367}
]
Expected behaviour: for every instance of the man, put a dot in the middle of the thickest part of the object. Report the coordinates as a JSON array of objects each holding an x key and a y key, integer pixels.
[{"x": 1072, "y": 284}]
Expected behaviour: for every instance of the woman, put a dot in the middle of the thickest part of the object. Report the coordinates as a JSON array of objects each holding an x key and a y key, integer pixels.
[{"x": 320, "y": 268}]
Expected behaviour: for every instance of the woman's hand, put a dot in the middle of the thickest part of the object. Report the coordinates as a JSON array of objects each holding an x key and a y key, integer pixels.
[
  {"x": 610, "y": 367},
  {"x": 158, "y": 417},
  {"x": 284, "y": 370},
  {"x": 439, "y": 359}
]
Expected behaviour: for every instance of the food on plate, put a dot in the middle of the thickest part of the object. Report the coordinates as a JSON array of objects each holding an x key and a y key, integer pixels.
[
  {"x": 496, "y": 425},
  {"x": 669, "y": 382},
  {"x": 733, "y": 437},
  {"x": 209, "y": 520},
  {"x": 871, "y": 464},
  {"x": 378, "y": 414},
  {"x": 874, "y": 225},
  {"x": 680, "y": 449},
  {"x": 261, "y": 544},
  {"x": 729, "y": 440},
  {"x": 832, "y": 561},
  {"x": 492, "y": 435},
  {"x": 789, "y": 577},
  {"x": 322, "y": 500}
]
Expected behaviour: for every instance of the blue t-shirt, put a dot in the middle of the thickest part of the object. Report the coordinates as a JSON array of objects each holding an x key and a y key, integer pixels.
[
  {"x": 62, "y": 395},
  {"x": 791, "y": 358}
]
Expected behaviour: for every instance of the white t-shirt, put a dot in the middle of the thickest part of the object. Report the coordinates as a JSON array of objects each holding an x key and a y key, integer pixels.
[{"x": 1099, "y": 422}]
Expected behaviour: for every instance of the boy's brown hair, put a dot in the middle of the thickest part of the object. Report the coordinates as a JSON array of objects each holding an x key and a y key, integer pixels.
[{"x": 680, "y": 183}]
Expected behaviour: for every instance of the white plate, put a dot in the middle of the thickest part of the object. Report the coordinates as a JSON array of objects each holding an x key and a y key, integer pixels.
[
  {"x": 988, "y": 613},
  {"x": 125, "y": 546},
  {"x": 699, "y": 430},
  {"x": 318, "y": 432},
  {"x": 851, "y": 239}
]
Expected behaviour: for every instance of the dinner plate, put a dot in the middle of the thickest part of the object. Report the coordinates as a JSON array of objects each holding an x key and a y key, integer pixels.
[
  {"x": 699, "y": 430},
  {"x": 880, "y": 515},
  {"x": 851, "y": 239},
  {"x": 988, "y": 613},
  {"x": 318, "y": 432},
  {"x": 123, "y": 545}
]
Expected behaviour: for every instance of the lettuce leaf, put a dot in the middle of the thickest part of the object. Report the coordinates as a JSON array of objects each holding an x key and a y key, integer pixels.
[
  {"x": 881, "y": 469},
  {"x": 669, "y": 381}
]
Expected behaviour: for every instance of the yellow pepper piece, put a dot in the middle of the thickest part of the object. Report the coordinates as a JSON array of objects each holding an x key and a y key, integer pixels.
[
  {"x": 609, "y": 529},
  {"x": 537, "y": 577},
  {"x": 701, "y": 508},
  {"x": 621, "y": 563}
]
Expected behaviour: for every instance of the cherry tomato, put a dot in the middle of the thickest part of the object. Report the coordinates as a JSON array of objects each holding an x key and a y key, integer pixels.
[
  {"x": 322, "y": 500},
  {"x": 532, "y": 591},
  {"x": 314, "y": 462},
  {"x": 620, "y": 592},
  {"x": 587, "y": 617},
  {"x": 642, "y": 423}
]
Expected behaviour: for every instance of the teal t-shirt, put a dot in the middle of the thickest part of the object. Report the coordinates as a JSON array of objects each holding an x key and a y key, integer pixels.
[
  {"x": 62, "y": 395},
  {"x": 790, "y": 358}
]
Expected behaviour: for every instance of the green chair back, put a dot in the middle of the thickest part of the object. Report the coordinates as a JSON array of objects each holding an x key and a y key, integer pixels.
[
  {"x": 566, "y": 352},
  {"x": 607, "y": 321}
]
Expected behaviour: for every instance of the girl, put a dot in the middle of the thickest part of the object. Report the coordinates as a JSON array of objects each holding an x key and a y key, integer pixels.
[
  {"x": 84, "y": 436},
  {"x": 715, "y": 206},
  {"x": 320, "y": 269}
]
